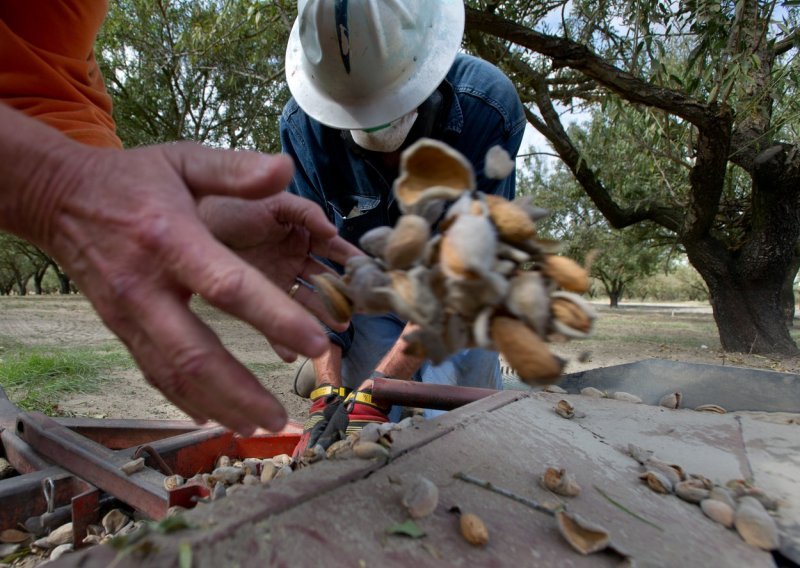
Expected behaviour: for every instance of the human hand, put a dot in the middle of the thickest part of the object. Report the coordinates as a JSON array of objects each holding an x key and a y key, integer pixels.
[
  {"x": 278, "y": 235},
  {"x": 331, "y": 419},
  {"x": 124, "y": 226},
  {"x": 326, "y": 400}
]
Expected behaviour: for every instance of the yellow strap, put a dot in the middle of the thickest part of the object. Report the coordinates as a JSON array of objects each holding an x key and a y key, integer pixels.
[
  {"x": 365, "y": 398},
  {"x": 326, "y": 390},
  {"x": 359, "y": 396}
]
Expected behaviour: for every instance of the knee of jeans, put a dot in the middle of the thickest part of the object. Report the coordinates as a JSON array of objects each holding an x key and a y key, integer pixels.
[{"x": 395, "y": 413}]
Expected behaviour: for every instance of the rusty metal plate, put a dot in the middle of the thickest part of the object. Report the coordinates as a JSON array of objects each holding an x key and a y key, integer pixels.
[{"x": 337, "y": 513}]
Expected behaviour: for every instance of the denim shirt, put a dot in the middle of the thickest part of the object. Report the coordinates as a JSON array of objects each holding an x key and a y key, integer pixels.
[{"x": 353, "y": 186}]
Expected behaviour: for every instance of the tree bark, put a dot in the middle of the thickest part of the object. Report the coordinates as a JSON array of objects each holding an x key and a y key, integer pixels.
[
  {"x": 38, "y": 276},
  {"x": 63, "y": 283},
  {"x": 750, "y": 320},
  {"x": 788, "y": 296},
  {"x": 63, "y": 279},
  {"x": 746, "y": 286},
  {"x": 746, "y": 306},
  {"x": 22, "y": 289}
]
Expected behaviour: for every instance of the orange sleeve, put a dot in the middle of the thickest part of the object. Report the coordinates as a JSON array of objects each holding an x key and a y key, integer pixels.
[{"x": 48, "y": 69}]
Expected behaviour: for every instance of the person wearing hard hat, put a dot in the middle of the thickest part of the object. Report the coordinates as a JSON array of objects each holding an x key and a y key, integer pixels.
[{"x": 367, "y": 80}]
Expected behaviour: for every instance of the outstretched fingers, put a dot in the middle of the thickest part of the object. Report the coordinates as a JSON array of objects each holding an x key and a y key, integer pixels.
[
  {"x": 209, "y": 171},
  {"x": 234, "y": 286},
  {"x": 283, "y": 352},
  {"x": 185, "y": 360},
  {"x": 325, "y": 242}
]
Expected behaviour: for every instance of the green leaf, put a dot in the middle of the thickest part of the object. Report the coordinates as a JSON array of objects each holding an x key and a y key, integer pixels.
[
  {"x": 173, "y": 523},
  {"x": 185, "y": 555},
  {"x": 130, "y": 539},
  {"x": 409, "y": 528}
]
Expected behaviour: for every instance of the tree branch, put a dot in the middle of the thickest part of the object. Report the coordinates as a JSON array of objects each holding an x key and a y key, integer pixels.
[
  {"x": 714, "y": 123},
  {"x": 786, "y": 43},
  {"x": 566, "y": 53}
]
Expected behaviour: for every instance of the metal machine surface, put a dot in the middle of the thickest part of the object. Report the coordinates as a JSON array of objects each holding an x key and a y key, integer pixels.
[{"x": 505, "y": 438}]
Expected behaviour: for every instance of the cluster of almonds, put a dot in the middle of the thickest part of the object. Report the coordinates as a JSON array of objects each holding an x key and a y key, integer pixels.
[
  {"x": 671, "y": 400},
  {"x": 737, "y": 504},
  {"x": 231, "y": 473},
  {"x": 373, "y": 441},
  {"x": 481, "y": 279},
  {"x": 41, "y": 547},
  {"x": 228, "y": 475}
]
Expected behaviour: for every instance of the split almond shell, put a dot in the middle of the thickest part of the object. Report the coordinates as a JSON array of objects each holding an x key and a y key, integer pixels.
[
  {"x": 583, "y": 536},
  {"x": 429, "y": 163}
]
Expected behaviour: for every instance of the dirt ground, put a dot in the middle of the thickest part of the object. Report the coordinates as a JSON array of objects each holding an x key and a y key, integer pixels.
[{"x": 632, "y": 333}]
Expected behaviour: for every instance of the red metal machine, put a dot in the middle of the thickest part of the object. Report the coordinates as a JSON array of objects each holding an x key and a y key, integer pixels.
[{"x": 69, "y": 467}]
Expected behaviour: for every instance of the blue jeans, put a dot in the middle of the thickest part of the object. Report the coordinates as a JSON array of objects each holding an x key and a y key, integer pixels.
[{"x": 375, "y": 335}]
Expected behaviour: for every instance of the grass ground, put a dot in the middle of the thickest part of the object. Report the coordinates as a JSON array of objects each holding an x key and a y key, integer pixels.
[
  {"x": 38, "y": 378},
  {"x": 57, "y": 357}
]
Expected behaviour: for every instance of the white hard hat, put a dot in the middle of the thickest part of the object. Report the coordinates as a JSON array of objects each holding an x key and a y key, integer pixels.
[{"x": 354, "y": 64}]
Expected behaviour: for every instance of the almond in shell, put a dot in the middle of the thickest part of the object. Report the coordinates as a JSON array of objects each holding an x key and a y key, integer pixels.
[
  {"x": 336, "y": 302},
  {"x": 755, "y": 526},
  {"x": 560, "y": 482},
  {"x": 574, "y": 316},
  {"x": 468, "y": 247},
  {"x": 525, "y": 351},
  {"x": 567, "y": 273},
  {"x": 407, "y": 242},
  {"x": 512, "y": 222},
  {"x": 421, "y": 498},
  {"x": 718, "y": 511}
]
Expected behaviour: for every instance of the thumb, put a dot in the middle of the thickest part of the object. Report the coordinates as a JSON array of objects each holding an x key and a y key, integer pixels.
[{"x": 238, "y": 173}]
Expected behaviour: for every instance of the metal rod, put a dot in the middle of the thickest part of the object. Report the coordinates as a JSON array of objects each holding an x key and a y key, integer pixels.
[
  {"x": 143, "y": 490},
  {"x": 22, "y": 497},
  {"x": 20, "y": 455},
  {"x": 186, "y": 454},
  {"x": 162, "y": 465},
  {"x": 420, "y": 395},
  {"x": 8, "y": 412},
  {"x": 118, "y": 434}
]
